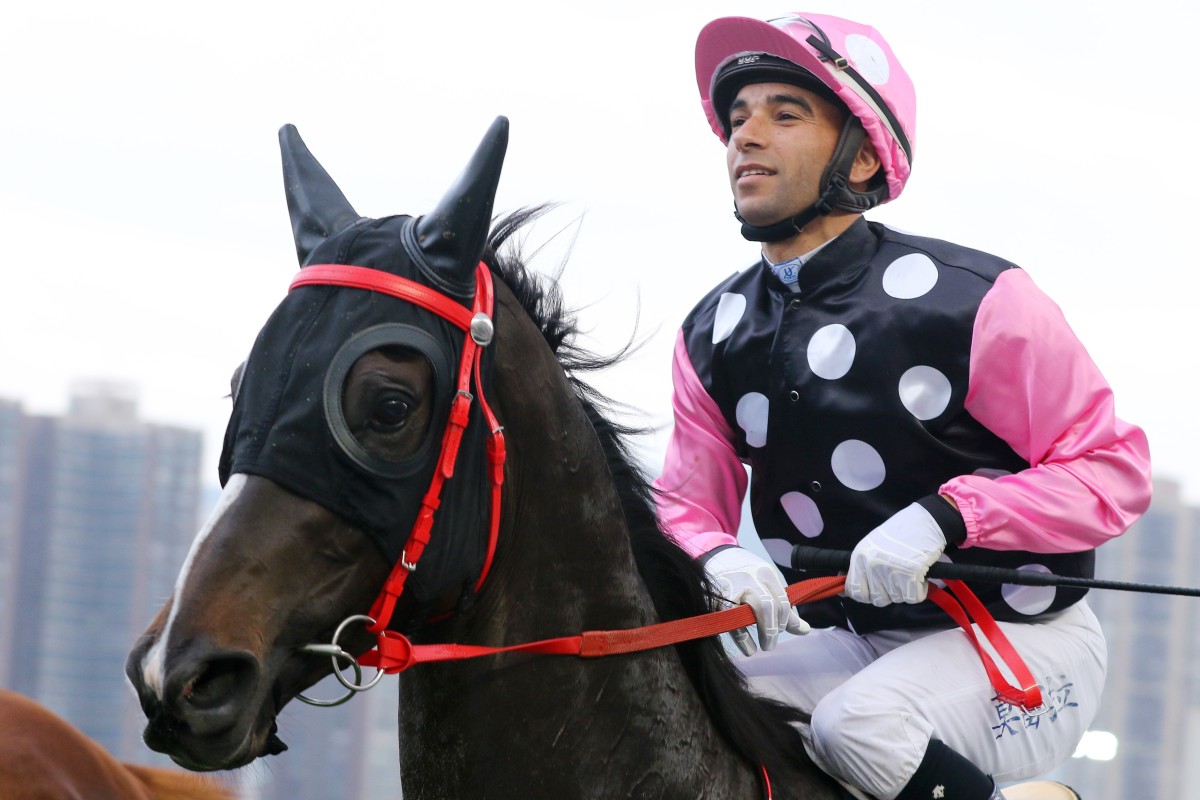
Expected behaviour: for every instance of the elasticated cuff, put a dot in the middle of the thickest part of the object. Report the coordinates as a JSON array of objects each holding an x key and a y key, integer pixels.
[
  {"x": 703, "y": 559},
  {"x": 954, "y": 528}
]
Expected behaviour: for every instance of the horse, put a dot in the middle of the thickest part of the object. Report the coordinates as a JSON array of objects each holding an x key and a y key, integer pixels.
[
  {"x": 412, "y": 435},
  {"x": 44, "y": 757},
  {"x": 336, "y": 432}
]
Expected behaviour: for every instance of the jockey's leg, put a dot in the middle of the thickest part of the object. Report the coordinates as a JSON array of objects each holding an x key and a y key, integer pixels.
[
  {"x": 803, "y": 669},
  {"x": 965, "y": 780},
  {"x": 944, "y": 773},
  {"x": 879, "y": 700}
]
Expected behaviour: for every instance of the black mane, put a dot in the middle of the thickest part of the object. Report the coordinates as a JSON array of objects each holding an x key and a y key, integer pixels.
[{"x": 758, "y": 728}]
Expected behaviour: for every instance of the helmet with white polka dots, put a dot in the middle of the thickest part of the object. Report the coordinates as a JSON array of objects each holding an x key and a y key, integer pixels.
[{"x": 836, "y": 58}]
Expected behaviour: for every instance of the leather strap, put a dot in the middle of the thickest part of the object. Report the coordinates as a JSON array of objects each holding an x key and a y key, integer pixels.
[
  {"x": 396, "y": 653},
  {"x": 962, "y": 605}
]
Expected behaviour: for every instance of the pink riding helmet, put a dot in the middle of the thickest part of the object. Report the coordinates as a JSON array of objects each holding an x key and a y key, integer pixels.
[{"x": 853, "y": 60}]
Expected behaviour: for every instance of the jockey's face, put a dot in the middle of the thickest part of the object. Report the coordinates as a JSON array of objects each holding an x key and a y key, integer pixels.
[{"x": 781, "y": 139}]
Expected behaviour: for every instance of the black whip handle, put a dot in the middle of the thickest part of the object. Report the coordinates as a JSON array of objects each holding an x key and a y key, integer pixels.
[{"x": 820, "y": 559}]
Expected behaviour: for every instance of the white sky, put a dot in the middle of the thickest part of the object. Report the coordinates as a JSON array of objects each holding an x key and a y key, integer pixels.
[{"x": 146, "y": 236}]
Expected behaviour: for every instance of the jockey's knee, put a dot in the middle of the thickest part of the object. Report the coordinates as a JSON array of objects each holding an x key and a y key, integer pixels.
[
  {"x": 871, "y": 745},
  {"x": 848, "y": 721},
  {"x": 829, "y": 730}
]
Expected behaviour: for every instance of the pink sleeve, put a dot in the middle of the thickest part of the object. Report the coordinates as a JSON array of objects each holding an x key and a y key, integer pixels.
[
  {"x": 703, "y": 481},
  {"x": 1034, "y": 385}
]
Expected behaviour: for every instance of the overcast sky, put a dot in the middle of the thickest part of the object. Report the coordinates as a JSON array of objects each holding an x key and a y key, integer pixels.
[{"x": 146, "y": 236}]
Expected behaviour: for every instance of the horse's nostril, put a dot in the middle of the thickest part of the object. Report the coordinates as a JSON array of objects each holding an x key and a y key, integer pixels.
[{"x": 219, "y": 682}]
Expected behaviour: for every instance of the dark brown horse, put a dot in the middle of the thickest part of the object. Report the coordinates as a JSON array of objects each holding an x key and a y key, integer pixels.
[
  {"x": 44, "y": 757},
  {"x": 336, "y": 438}
]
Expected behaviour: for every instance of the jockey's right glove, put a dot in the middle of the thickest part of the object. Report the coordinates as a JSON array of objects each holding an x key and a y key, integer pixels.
[
  {"x": 890, "y": 564},
  {"x": 741, "y": 576}
]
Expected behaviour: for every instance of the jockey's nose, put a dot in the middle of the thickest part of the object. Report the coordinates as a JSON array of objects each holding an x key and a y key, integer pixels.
[{"x": 747, "y": 134}]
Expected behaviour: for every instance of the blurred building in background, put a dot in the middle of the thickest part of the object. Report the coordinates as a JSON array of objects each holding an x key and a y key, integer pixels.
[
  {"x": 98, "y": 508},
  {"x": 1145, "y": 742},
  {"x": 101, "y": 507},
  {"x": 11, "y": 417}
]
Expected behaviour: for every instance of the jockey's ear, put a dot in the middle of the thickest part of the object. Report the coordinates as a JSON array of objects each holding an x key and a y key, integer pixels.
[{"x": 866, "y": 164}]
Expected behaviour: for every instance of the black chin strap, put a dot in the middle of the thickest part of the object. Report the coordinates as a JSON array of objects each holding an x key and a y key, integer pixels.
[
  {"x": 836, "y": 191},
  {"x": 785, "y": 228}
]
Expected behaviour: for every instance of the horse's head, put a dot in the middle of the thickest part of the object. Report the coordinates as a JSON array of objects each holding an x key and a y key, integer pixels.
[{"x": 335, "y": 438}]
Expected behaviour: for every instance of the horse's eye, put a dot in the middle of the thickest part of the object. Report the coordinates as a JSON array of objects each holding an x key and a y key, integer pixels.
[{"x": 390, "y": 414}]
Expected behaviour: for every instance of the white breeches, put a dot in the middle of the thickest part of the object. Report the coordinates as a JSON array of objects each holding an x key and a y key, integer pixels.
[{"x": 877, "y": 700}]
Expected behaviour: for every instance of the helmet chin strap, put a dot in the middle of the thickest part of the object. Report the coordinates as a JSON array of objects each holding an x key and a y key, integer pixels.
[
  {"x": 785, "y": 228},
  {"x": 836, "y": 191}
]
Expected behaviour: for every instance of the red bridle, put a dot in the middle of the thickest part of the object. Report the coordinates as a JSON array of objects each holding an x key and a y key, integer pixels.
[{"x": 477, "y": 324}]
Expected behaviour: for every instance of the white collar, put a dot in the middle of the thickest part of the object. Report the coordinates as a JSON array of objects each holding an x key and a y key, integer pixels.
[{"x": 788, "y": 271}]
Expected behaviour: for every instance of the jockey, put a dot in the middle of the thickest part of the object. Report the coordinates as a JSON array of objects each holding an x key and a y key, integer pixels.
[{"x": 907, "y": 399}]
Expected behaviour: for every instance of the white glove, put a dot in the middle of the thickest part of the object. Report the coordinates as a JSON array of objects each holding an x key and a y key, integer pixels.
[
  {"x": 743, "y": 577},
  {"x": 890, "y": 563}
]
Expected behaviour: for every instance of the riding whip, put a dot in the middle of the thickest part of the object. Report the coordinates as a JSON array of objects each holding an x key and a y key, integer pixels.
[{"x": 805, "y": 557}]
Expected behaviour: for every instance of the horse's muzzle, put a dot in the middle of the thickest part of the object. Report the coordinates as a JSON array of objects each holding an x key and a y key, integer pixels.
[{"x": 206, "y": 716}]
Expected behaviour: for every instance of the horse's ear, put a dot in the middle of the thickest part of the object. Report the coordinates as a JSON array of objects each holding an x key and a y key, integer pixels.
[
  {"x": 316, "y": 204},
  {"x": 451, "y": 238}
]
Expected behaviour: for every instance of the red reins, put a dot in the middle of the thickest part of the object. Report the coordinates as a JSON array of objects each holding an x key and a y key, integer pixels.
[{"x": 396, "y": 653}]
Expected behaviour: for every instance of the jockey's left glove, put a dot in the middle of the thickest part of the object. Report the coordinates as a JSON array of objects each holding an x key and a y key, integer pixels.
[
  {"x": 744, "y": 577},
  {"x": 889, "y": 565}
]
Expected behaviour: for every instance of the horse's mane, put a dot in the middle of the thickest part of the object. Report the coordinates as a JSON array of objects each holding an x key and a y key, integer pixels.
[{"x": 758, "y": 728}]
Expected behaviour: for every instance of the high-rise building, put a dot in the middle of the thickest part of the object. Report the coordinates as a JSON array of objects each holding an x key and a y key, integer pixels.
[
  {"x": 1145, "y": 741},
  {"x": 10, "y": 444},
  {"x": 97, "y": 510}
]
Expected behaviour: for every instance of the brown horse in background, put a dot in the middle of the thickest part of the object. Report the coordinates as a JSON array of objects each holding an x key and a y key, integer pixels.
[{"x": 44, "y": 757}]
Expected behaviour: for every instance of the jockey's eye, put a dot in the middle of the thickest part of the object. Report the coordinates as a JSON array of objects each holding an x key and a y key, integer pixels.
[{"x": 389, "y": 414}]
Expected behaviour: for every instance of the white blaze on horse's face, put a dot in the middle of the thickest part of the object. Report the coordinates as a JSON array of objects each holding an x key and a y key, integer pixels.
[{"x": 153, "y": 664}]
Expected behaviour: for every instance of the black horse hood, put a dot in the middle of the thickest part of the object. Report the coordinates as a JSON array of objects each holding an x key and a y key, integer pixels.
[{"x": 287, "y": 423}]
